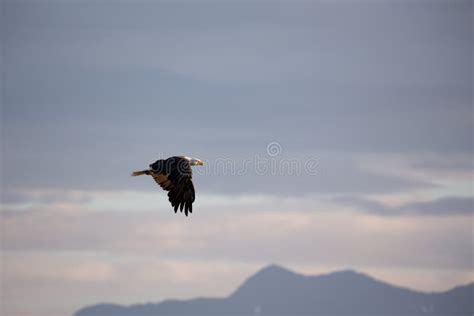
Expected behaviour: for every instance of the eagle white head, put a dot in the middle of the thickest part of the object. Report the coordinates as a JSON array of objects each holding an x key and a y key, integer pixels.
[{"x": 195, "y": 161}]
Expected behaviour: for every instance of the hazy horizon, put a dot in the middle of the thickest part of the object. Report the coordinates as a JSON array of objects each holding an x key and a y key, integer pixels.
[{"x": 337, "y": 135}]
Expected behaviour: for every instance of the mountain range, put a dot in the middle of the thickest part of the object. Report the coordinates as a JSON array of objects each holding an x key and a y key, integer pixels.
[{"x": 277, "y": 291}]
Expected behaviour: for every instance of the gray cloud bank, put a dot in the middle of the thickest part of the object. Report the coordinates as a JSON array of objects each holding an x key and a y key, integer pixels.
[
  {"x": 446, "y": 206},
  {"x": 110, "y": 88},
  {"x": 438, "y": 243}
]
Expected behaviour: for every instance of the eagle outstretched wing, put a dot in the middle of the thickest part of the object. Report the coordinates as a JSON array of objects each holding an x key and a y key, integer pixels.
[{"x": 175, "y": 176}]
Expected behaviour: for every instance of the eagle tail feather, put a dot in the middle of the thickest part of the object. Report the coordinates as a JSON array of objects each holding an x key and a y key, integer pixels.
[{"x": 140, "y": 173}]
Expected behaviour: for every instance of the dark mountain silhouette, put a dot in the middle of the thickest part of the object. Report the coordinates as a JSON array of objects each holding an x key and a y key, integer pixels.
[{"x": 276, "y": 291}]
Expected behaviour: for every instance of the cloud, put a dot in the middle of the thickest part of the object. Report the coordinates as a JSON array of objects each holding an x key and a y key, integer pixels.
[
  {"x": 332, "y": 173},
  {"x": 446, "y": 206},
  {"x": 57, "y": 268},
  {"x": 192, "y": 84},
  {"x": 24, "y": 199},
  {"x": 443, "y": 169},
  {"x": 283, "y": 40},
  {"x": 215, "y": 233}
]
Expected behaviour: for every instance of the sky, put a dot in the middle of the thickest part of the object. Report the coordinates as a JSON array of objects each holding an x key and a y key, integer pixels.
[{"x": 336, "y": 135}]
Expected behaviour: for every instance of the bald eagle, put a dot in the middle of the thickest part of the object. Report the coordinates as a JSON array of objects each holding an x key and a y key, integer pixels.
[{"x": 175, "y": 176}]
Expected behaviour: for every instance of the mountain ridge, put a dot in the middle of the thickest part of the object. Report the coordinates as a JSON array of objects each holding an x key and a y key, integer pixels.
[{"x": 276, "y": 290}]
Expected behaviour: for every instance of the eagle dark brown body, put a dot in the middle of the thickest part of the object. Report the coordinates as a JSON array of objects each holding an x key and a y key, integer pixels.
[{"x": 175, "y": 176}]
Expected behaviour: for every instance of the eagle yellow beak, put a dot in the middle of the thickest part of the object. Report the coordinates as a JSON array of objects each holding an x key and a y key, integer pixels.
[{"x": 200, "y": 162}]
